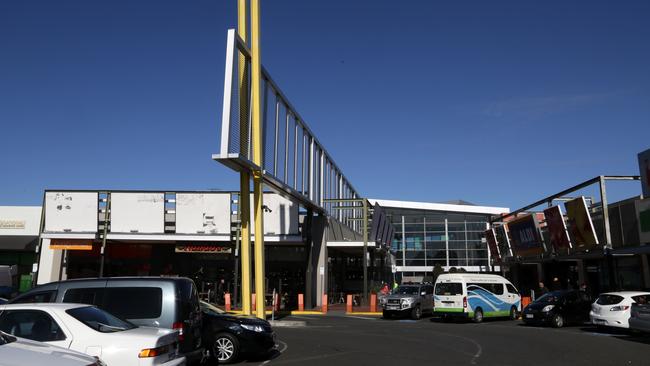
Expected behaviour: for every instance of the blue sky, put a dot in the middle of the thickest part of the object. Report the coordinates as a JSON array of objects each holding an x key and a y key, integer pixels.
[{"x": 495, "y": 102}]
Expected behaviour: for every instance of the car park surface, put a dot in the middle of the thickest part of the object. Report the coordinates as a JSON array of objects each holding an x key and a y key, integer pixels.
[
  {"x": 361, "y": 340},
  {"x": 90, "y": 330}
]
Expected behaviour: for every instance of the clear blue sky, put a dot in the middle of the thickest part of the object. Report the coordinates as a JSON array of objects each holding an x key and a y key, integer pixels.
[{"x": 495, "y": 102}]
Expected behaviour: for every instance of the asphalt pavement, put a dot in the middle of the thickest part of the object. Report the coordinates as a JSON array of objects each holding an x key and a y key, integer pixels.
[{"x": 365, "y": 340}]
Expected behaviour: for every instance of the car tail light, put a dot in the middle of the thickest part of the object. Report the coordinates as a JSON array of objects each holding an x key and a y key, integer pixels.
[
  {"x": 179, "y": 327},
  {"x": 464, "y": 302},
  {"x": 619, "y": 308},
  {"x": 153, "y": 352}
]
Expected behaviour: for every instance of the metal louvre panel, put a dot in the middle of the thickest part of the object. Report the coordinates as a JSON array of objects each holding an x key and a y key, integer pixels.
[{"x": 295, "y": 163}]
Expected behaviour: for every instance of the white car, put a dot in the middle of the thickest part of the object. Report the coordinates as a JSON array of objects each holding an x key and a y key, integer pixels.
[
  {"x": 92, "y": 331},
  {"x": 612, "y": 309},
  {"x": 16, "y": 351}
]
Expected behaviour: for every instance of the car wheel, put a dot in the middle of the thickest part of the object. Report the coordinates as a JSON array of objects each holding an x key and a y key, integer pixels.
[
  {"x": 225, "y": 348},
  {"x": 513, "y": 313},
  {"x": 557, "y": 321},
  {"x": 416, "y": 313},
  {"x": 478, "y": 315}
]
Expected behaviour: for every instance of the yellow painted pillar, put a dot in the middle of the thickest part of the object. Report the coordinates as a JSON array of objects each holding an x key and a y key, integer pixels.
[
  {"x": 258, "y": 144},
  {"x": 244, "y": 176}
]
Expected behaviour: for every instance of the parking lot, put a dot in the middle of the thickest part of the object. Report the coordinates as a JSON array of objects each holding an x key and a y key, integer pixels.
[{"x": 364, "y": 340}]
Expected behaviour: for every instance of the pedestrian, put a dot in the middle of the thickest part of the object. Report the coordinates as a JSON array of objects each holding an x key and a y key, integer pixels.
[
  {"x": 556, "y": 285},
  {"x": 384, "y": 289},
  {"x": 541, "y": 290},
  {"x": 220, "y": 291}
]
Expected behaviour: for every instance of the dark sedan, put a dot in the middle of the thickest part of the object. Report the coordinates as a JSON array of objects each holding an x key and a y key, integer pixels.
[
  {"x": 228, "y": 337},
  {"x": 558, "y": 308}
]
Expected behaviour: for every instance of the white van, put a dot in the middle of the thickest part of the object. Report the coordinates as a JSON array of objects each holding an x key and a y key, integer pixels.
[{"x": 475, "y": 296}]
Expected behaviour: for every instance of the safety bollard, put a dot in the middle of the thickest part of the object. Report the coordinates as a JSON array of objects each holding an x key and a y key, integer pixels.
[
  {"x": 226, "y": 299},
  {"x": 324, "y": 306},
  {"x": 301, "y": 302},
  {"x": 373, "y": 303},
  {"x": 348, "y": 306}
]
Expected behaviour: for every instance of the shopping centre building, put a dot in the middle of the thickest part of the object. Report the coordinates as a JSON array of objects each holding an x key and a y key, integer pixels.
[{"x": 197, "y": 234}]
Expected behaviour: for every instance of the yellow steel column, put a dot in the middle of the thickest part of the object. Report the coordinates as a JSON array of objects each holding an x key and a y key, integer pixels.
[
  {"x": 258, "y": 196},
  {"x": 244, "y": 176}
]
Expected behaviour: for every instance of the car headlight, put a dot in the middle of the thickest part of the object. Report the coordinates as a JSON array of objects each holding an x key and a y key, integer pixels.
[
  {"x": 548, "y": 308},
  {"x": 407, "y": 300},
  {"x": 254, "y": 328}
]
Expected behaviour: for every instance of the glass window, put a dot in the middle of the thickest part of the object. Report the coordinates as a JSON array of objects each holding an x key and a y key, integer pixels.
[
  {"x": 608, "y": 299},
  {"x": 99, "y": 320},
  {"x": 36, "y": 325},
  {"x": 512, "y": 289},
  {"x": 642, "y": 299},
  {"x": 457, "y": 235},
  {"x": 44, "y": 296},
  {"x": 428, "y": 289},
  {"x": 90, "y": 296},
  {"x": 495, "y": 288},
  {"x": 407, "y": 290},
  {"x": 449, "y": 288},
  {"x": 134, "y": 302}
]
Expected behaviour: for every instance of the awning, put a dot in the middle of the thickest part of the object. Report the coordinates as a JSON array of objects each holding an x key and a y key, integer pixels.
[{"x": 18, "y": 242}]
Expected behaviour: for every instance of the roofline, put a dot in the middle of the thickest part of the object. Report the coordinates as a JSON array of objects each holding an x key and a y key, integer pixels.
[{"x": 431, "y": 206}]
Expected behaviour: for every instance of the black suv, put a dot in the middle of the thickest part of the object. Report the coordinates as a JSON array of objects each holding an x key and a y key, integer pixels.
[{"x": 146, "y": 301}]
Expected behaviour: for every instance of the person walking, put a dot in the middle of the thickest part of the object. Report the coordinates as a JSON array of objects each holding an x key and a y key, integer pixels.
[{"x": 541, "y": 290}]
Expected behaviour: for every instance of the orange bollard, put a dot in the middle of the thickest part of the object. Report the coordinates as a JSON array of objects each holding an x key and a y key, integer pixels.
[
  {"x": 373, "y": 303},
  {"x": 348, "y": 307},
  {"x": 324, "y": 307},
  {"x": 226, "y": 299},
  {"x": 253, "y": 305},
  {"x": 301, "y": 302}
]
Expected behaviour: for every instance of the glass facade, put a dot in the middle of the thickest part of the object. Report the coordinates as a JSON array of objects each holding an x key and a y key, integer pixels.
[{"x": 427, "y": 238}]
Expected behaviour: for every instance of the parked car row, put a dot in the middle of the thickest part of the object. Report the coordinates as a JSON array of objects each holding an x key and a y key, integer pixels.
[
  {"x": 477, "y": 296},
  {"x": 145, "y": 320}
]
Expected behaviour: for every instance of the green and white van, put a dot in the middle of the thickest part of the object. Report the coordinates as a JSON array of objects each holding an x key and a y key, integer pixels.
[{"x": 475, "y": 296}]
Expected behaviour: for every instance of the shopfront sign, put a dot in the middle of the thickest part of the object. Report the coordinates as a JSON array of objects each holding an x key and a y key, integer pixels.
[
  {"x": 644, "y": 168},
  {"x": 503, "y": 241},
  {"x": 71, "y": 244},
  {"x": 559, "y": 236},
  {"x": 581, "y": 228},
  {"x": 12, "y": 224},
  {"x": 203, "y": 248},
  {"x": 643, "y": 217},
  {"x": 525, "y": 235},
  {"x": 491, "y": 239}
]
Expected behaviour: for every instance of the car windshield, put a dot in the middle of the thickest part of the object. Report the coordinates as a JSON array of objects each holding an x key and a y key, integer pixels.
[
  {"x": 549, "y": 298},
  {"x": 100, "y": 320},
  {"x": 6, "y": 338},
  {"x": 407, "y": 290},
  {"x": 209, "y": 308},
  {"x": 449, "y": 288}
]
